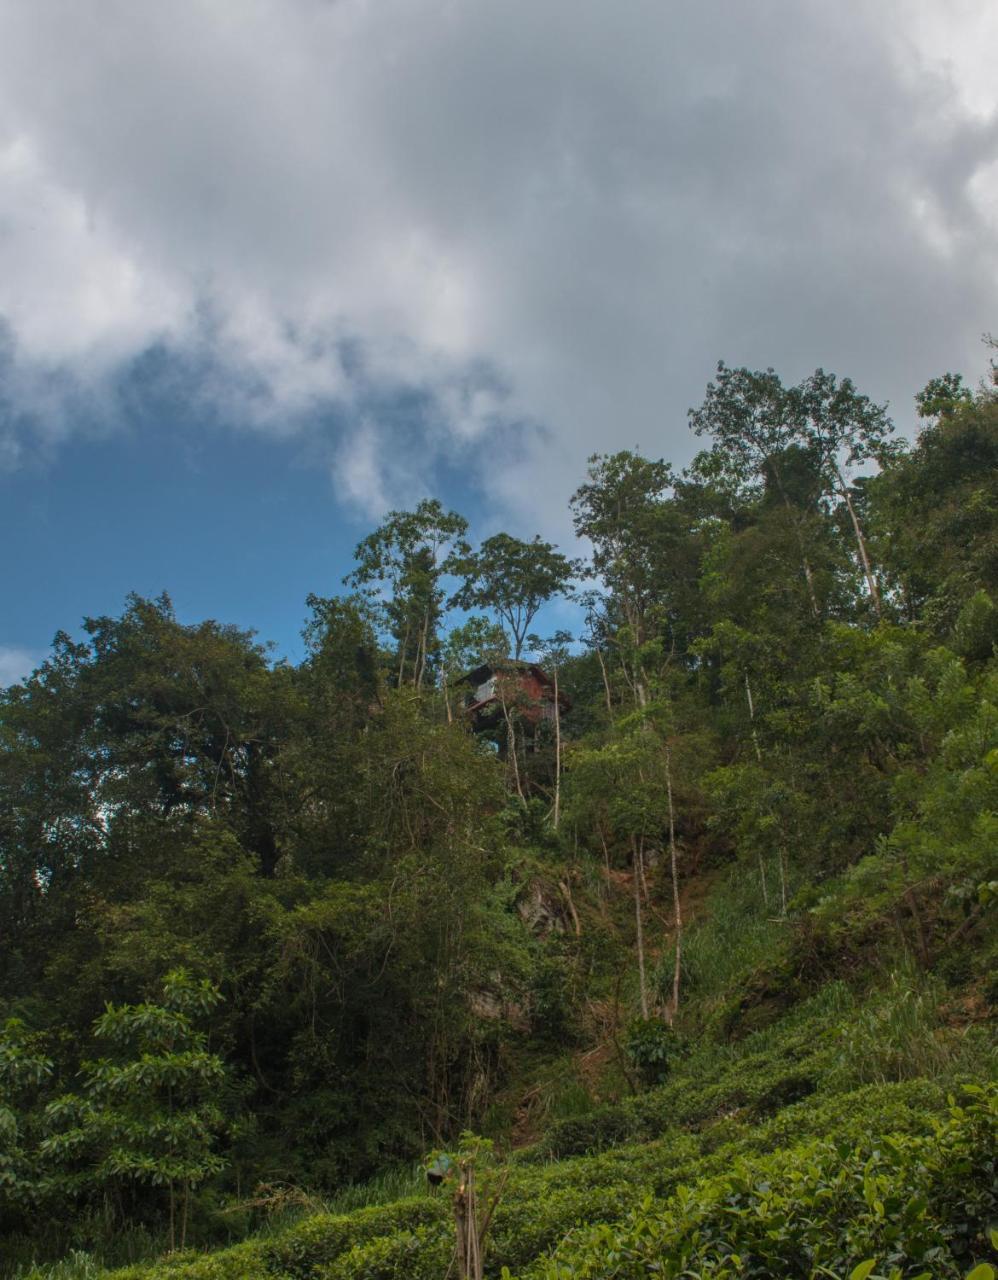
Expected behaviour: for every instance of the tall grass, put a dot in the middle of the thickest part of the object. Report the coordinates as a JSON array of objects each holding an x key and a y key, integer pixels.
[
  {"x": 738, "y": 935},
  {"x": 900, "y": 1033},
  {"x": 77, "y": 1265}
]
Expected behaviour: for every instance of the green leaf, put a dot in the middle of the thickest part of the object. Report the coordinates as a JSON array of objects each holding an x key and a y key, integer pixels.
[
  {"x": 985, "y": 1271},
  {"x": 863, "y": 1270}
]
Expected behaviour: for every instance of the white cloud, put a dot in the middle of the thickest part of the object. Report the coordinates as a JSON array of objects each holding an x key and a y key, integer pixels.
[
  {"x": 357, "y": 471},
  {"x": 16, "y": 663},
  {"x": 547, "y": 221}
]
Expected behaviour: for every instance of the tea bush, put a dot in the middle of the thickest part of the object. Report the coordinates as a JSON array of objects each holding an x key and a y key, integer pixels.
[{"x": 912, "y": 1202}]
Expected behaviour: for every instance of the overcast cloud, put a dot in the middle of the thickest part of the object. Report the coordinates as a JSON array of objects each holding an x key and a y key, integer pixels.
[{"x": 543, "y": 221}]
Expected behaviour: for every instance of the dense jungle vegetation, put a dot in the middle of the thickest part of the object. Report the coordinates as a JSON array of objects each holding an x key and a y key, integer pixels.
[{"x": 694, "y": 974}]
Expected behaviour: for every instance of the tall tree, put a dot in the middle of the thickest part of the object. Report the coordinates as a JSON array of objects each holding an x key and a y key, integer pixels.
[
  {"x": 934, "y": 510},
  {"x": 619, "y": 509},
  {"x": 754, "y": 422},
  {"x": 514, "y": 579},
  {"x": 409, "y": 553},
  {"x": 150, "y": 1110},
  {"x": 554, "y": 653},
  {"x": 841, "y": 428}
]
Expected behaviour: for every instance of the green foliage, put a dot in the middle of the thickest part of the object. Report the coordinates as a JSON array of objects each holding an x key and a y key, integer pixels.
[
  {"x": 23, "y": 1069},
  {"x": 409, "y": 553},
  {"x": 513, "y": 578},
  {"x": 818, "y": 1209},
  {"x": 652, "y": 1046},
  {"x": 942, "y": 396},
  {"x": 899, "y": 1033},
  {"x": 550, "y": 1206},
  {"x": 150, "y": 1111},
  {"x": 934, "y": 513},
  {"x": 766, "y": 806}
]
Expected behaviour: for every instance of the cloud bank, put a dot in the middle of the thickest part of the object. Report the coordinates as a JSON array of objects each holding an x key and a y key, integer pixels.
[{"x": 502, "y": 234}]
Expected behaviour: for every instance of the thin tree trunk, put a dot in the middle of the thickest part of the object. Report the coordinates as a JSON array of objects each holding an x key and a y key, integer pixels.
[
  {"x": 641, "y": 863},
  {"x": 642, "y": 987},
  {"x": 462, "y": 1225},
  {"x": 635, "y": 622},
  {"x": 173, "y": 1218},
  {"x": 402, "y": 648},
  {"x": 421, "y": 651},
  {"x": 871, "y": 581},
  {"x": 783, "y": 880},
  {"x": 808, "y": 575},
  {"x": 416, "y": 672},
  {"x": 567, "y": 893},
  {"x": 606, "y": 852},
  {"x": 511, "y": 747},
  {"x": 809, "y": 578},
  {"x": 675, "y": 886},
  {"x": 758, "y": 756},
  {"x": 557, "y": 751},
  {"x": 606, "y": 682},
  {"x": 751, "y": 715}
]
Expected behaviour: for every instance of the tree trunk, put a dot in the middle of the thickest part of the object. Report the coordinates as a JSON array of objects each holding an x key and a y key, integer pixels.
[
  {"x": 606, "y": 682},
  {"x": 511, "y": 746},
  {"x": 420, "y": 667},
  {"x": 557, "y": 751},
  {"x": 565, "y": 888},
  {"x": 636, "y": 876},
  {"x": 402, "y": 648},
  {"x": 808, "y": 575},
  {"x": 675, "y": 886},
  {"x": 783, "y": 881},
  {"x": 606, "y": 852},
  {"x": 809, "y": 579},
  {"x": 751, "y": 715},
  {"x": 871, "y": 581},
  {"x": 183, "y": 1215},
  {"x": 758, "y": 756}
]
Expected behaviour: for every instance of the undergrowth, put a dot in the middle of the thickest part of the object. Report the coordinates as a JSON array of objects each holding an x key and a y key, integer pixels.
[
  {"x": 802, "y": 1128},
  {"x": 740, "y": 1145}
]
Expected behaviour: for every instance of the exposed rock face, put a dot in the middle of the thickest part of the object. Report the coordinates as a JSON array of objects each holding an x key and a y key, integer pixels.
[
  {"x": 486, "y": 1005},
  {"x": 496, "y": 1003},
  {"x": 541, "y": 909}
]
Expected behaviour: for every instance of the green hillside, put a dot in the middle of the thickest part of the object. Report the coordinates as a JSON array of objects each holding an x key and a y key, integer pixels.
[{"x": 674, "y": 939}]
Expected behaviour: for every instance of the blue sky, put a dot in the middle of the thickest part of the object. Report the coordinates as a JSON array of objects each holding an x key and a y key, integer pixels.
[
  {"x": 237, "y": 530},
  {"x": 235, "y": 525},
  {"x": 269, "y": 268},
  {"x": 232, "y": 524}
]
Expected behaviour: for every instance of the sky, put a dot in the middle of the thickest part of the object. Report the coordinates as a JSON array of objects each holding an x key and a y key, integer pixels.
[{"x": 270, "y": 268}]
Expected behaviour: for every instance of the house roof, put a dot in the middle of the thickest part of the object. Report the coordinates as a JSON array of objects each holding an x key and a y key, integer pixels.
[
  {"x": 480, "y": 674},
  {"x": 477, "y": 677}
]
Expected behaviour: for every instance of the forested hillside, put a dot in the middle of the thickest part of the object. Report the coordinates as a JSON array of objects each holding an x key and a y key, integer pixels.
[{"x": 679, "y": 930}]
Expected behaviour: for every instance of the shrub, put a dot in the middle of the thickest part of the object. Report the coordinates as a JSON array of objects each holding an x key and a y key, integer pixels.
[
  {"x": 322, "y": 1239},
  {"x": 653, "y": 1047},
  {"x": 819, "y": 1209}
]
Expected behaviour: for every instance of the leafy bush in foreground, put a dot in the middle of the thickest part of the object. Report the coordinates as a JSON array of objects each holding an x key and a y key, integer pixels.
[
  {"x": 588, "y": 1199},
  {"x": 918, "y": 1203}
]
